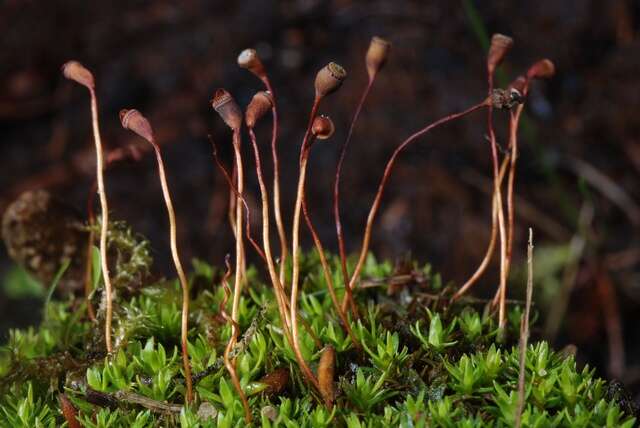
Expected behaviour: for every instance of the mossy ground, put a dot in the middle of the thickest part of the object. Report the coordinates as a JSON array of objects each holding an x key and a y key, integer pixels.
[{"x": 424, "y": 363}]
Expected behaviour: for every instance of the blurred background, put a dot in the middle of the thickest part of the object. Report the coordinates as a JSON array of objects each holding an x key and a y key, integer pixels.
[{"x": 580, "y": 145}]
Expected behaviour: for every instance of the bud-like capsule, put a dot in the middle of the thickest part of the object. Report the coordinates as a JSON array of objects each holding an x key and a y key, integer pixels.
[
  {"x": 329, "y": 79},
  {"x": 134, "y": 121},
  {"x": 227, "y": 108},
  {"x": 77, "y": 72},
  {"x": 322, "y": 127},
  {"x": 377, "y": 55},
  {"x": 260, "y": 104},
  {"x": 500, "y": 45},
  {"x": 543, "y": 69},
  {"x": 249, "y": 59}
]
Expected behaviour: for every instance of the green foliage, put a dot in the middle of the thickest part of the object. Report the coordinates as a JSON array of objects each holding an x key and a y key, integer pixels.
[{"x": 420, "y": 365}]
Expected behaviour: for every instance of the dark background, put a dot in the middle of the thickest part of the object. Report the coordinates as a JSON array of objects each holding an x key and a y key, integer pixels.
[{"x": 580, "y": 149}]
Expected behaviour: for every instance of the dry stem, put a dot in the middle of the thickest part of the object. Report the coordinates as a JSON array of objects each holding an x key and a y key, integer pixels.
[
  {"x": 181, "y": 275},
  {"x": 336, "y": 199},
  {"x": 105, "y": 220},
  {"x": 376, "y": 202}
]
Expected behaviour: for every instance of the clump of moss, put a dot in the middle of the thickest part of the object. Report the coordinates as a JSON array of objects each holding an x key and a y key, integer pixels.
[{"x": 423, "y": 361}]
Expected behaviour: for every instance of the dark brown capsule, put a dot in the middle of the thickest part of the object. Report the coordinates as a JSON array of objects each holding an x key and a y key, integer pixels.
[
  {"x": 134, "y": 121},
  {"x": 260, "y": 104},
  {"x": 224, "y": 104},
  {"x": 500, "y": 46},
  {"x": 377, "y": 55},
  {"x": 329, "y": 79},
  {"x": 323, "y": 127}
]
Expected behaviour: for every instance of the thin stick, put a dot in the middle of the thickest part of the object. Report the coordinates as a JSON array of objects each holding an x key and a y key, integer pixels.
[
  {"x": 284, "y": 245},
  {"x": 184, "y": 330},
  {"x": 336, "y": 199},
  {"x": 237, "y": 290},
  {"x": 277, "y": 285},
  {"x": 234, "y": 191},
  {"x": 88, "y": 268},
  {"x": 492, "y": 241},
  {"x": 501, "y": 224},
  {"x": 376, "y": 202},
  {"x": 295, "y": 251},
  {"x": 104, "y": 264},
  {"x": 328, "y": 276},
  {"x": 235, "y": 331},
  {"x": 524, "y": 332}
]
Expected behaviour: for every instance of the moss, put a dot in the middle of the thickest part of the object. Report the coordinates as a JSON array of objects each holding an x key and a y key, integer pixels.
[{"x": 423, "y": 363}]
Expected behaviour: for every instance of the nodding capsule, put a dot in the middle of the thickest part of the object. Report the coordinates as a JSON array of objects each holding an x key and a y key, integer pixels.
[
  {"x": 323, "y": 127},
  {"x": 134, "y": 121},
  {"x": 500, "y": 45},
  {"x": 543, "y": 69},
  {"x": 250, "y": 60},
  {"x": 224, "y": 104},
  {"x": 377, "y": 55},
  {"x": 260, "y": 104},
  {"x": 329, "y": 79},
  {"x": 77, "y": 72}
]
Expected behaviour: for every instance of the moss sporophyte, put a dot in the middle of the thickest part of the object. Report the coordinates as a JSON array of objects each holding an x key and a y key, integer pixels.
[{"x": 317, "y": 340}]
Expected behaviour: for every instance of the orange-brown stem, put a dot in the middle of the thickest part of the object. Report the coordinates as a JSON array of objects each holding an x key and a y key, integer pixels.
[
  {"x": 284, "y": 245},
  {"x": 295, "y": 250},
  {"x": 230, "y": 364},
  {"x": 327, "y": 272},
  {"x": 498, "y": 195},
  {"x": 385, "y": 177},
  {"x": 180, "y": 271},
  {"x": 104, "y": 263},
  {"x": 492, "y": 241},
  {"x": 336, "y": 199}
]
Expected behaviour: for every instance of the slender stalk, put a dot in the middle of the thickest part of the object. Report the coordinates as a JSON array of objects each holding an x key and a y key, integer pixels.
[
  {"x": 336, "y": 199},
  {"x": 104, "y": 263},
  {"x": 237, "y": 290},
  {"x": 184, "y": 329},
  {"x": 385, "y": 177},
  {"x": 295, "y": 251},
  {"x": 498, "y": 195},
  {"x": 328, "y": 276},
  {"x": 524, "y": 333},
  {"x": 284, "y": 245},
  {"x": 229, "y": 364},
  {"x": 236, "y": 195},
  {"x": 277, "y": 285},
  {"x": 492, "y": 242},
  {"x": 88, "y": 268}
]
